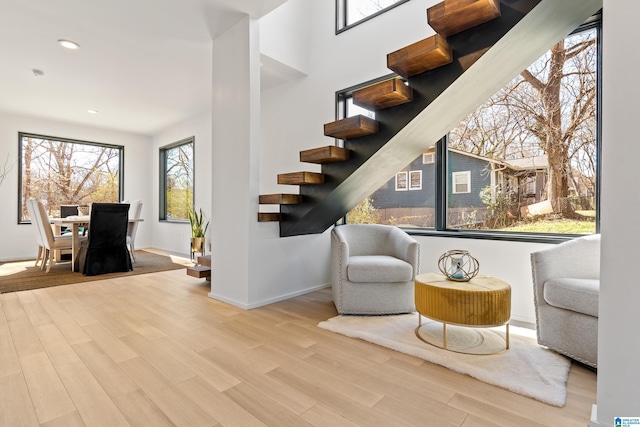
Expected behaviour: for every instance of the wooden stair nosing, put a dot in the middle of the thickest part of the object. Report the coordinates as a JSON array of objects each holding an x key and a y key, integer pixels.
[
  {"x": 351, "y": 127},
  {"x": 454, "y": 16},
  {"x": 279, "y": 199},
  {"x": 386, "y": 94},
  {"x": 419, "y": 57},
  {"x": 328, "y": 154},
  {"x": 199, "y": 271},
  {"x": 269, "y": 217},
  {"x": 301, "y": 178}
]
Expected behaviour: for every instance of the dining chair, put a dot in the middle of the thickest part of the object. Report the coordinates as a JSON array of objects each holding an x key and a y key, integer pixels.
[
  {"x": 50, "y": 241},
  {"x": 32, "y": 208},
  {"x": 105, "y": 250},
  {"x": 135, "y": 210}
]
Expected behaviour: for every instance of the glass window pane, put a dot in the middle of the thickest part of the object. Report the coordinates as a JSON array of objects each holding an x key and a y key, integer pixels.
[
  {"x": 64, "y": 172},
  {"x": 357, "y": 10},
  {"x": 401, "y": 181},
  {"x": 531, "y": 149},
  {"x": 354, "y": 110},
  {"x": 178, "y": 175},
  {"x": 415, "y": 180},
  {"x": 407, "y": 200}
]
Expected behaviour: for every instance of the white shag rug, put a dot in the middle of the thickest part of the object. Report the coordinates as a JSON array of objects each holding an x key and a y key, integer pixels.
[{"x": 526, "y": 368}]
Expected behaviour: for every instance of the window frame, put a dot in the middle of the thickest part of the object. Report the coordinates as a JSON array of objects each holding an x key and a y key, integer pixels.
[
  {"x": 410, "y": 180},
  {"x": 454, "y": 184},
  {"x": 441, "y": 167},
  {"x": 162, "y": 208},
  {"x": 22, "y": 135},
  {"x": 341, "y": 15}
]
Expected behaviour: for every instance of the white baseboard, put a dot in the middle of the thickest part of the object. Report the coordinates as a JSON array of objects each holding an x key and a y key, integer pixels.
[
  {"x": 267, "y": 301},
  {"x": 238, "y": 304},
  {"x": 165, "y": 251},
  {"x": 524, "y": 319},
  {"x": 521, "y": 324},
  {"x": 594, "y": 418}
]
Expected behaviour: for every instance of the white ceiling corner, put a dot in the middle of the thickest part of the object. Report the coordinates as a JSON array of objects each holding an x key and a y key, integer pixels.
[{"x": 143, "y": 64}]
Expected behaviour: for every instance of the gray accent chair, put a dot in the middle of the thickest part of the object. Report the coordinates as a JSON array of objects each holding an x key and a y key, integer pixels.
[
  {"x": 566, "y": 282},
  {"x": 373, "y": 269}
]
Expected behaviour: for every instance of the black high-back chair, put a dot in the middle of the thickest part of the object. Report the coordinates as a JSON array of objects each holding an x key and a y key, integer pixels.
[{"x": 105, "y": 250}]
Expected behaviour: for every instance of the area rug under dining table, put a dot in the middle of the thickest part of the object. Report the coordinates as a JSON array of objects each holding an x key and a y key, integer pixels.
[
  {"x": 23, "y": 275},
  {"x": 526, "y": 368}
]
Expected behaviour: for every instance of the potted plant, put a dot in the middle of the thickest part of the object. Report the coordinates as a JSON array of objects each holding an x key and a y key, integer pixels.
[{"x": 198, "y": 230}]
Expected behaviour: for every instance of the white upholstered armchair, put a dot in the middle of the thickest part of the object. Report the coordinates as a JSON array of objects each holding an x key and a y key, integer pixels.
[
  {"x": 373, "y": 269},
  {"x": 566, "y": 282}
]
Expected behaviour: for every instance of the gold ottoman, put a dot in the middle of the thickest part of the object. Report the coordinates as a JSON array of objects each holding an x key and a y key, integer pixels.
[{"x": 483, "y": 302}]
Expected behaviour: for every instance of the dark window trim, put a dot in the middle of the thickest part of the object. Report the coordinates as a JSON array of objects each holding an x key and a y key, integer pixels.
[
  {"x": 341, "y": 18},
  {"x": 440, "y": 227},
  {"x": 70, "y": 141},
  {"x": 162, "y": 208}
]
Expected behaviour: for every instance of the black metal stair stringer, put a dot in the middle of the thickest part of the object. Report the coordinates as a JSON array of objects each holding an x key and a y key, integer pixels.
[{"x": 500, "y": 49}]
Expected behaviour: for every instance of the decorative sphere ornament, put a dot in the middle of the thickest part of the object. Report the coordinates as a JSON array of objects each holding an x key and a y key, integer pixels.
[{"x": 458, "y": 265}]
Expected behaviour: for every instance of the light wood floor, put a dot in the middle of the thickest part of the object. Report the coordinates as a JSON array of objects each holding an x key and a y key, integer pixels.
[{"x": 154, "y": 350}]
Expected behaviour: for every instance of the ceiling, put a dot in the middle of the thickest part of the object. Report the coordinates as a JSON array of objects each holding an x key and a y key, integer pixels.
[{"x": 142, "y": 64}]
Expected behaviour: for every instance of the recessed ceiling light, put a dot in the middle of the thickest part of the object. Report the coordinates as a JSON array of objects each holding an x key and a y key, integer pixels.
[
  {"x": 68, "y": 44},
  {"x": 92, "y": 111}
]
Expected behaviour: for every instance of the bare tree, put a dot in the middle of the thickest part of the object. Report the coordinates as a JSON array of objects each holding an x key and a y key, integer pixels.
[
  {"x": 68, "y": 173},
  {"x": 550, "y": 108},
  {"x": 179, "y": 180}
]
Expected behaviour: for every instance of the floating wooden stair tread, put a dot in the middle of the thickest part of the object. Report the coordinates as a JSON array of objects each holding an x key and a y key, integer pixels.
[
  {"x": 204, "y": 260},
  {"x": 454, "y": 16},
  {"x": 300, "y": 178},
  {"x": 386, "y": 94},
  {"x": 269, "y": 216},
  {"x": 425, "y": 55},
  {"x": 351, "y": 127},
  {"x": 202, "y": 269},
  {"x": 199, "y": 271},
  {"x": 279, "y": 199},
  {"x": 328, "y": 154}
]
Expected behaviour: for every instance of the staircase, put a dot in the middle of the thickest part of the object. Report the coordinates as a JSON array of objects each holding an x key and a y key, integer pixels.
[
  {"x": 202, "y": 268},
  {"x": 435, "y": 88}
]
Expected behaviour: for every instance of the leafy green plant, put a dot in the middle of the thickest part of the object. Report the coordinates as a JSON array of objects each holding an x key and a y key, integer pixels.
[{"x": 198, "y": 225}]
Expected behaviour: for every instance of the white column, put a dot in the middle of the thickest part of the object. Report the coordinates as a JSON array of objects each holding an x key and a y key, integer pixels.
[
  {"x": 619, "y": 315},
  {"x": 235, "y": 159}
]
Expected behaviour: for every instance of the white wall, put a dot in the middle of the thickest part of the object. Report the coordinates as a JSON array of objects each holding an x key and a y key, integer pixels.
[
  {"x": 174, "y": 237},
  {"x": 284, "y": 34},
  {"x": 619, "y": 315},
  {"x": 17, "y": 241}
]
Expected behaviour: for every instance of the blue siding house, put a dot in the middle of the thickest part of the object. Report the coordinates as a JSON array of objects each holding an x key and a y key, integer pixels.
[{"x": 408, "y": 199}]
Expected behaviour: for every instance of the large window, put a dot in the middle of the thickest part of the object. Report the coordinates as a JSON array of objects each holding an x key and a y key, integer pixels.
[
  {"x": 176, "y": 180},
  {"x": 61, "y": 171},
  {"x": 526, "y": 161},
  {"x": 353, "y": 12}
]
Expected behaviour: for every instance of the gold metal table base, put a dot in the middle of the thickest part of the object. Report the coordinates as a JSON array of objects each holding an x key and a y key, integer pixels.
[{"x": 466, "y": 329}]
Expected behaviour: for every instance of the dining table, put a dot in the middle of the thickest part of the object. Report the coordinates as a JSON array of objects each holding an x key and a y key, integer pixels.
[{"x": 75, "y": 222}]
